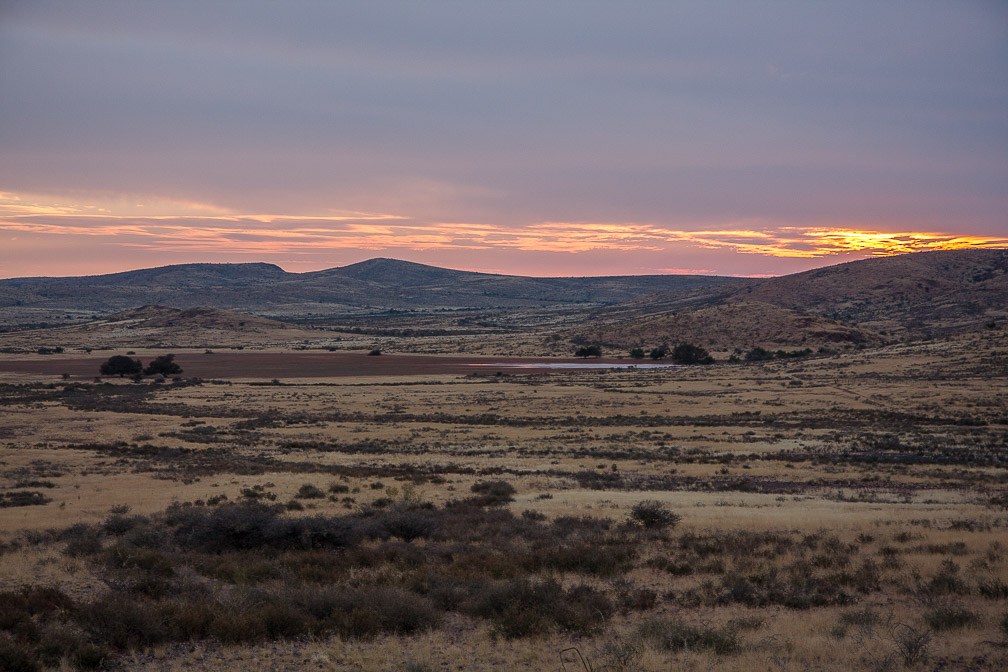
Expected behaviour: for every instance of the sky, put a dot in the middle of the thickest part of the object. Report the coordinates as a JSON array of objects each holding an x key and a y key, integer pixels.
[{"x": 537, "y": 138}]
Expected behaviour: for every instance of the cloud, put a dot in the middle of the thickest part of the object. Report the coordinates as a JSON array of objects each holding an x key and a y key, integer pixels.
[{"x": 269, "y": 234}]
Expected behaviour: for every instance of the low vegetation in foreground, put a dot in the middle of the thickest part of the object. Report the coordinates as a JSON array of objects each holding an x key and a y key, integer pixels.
[{"x": 839, "y": 512}]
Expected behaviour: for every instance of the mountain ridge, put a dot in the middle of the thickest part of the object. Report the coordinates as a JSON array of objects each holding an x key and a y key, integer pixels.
[
  {"x": 376, "y": 284},
  {"x": 856, "y": 303}
]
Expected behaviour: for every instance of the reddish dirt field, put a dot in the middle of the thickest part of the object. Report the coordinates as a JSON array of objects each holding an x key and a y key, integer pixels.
[{"x": 302, "y": 365}]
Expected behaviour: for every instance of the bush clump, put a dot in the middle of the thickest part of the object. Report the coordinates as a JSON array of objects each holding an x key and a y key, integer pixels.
[
  {"x": 521, "y": 608},
  {"x": 654, "y": 515},
  {"x": 492, "y": 493},
  {"x": 309, "y": 491},
  {"x": 675, "y": 635}
]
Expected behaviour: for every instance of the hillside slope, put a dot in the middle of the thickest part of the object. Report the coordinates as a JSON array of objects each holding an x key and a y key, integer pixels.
[
  {"x": 375, "y": 285},
  {"x": 862, "y": 302},
  {"x": 742, "y": 325},
  {"x": 907, "y": 295}
]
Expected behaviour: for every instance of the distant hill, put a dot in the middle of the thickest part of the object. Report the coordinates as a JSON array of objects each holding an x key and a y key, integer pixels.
[
  {"x": 162, "y": 326},
  {"x": 857, "y": 303},
  {"x": 741, "y": 324},
  {"x": 906, "y": 295},
  {"x": 157, "y": 317},
  {"x": 374, "y": 285},
  {"x": 860, "y": 302}
]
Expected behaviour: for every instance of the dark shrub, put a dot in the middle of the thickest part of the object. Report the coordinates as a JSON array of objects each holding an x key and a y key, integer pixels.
[
  {"x": 522, "y": 608},
  {"x": 164, "y": 365},
  {"x": 946, "y": 581},
  {"x": 492, "y": 493},
  {"x": 120, "y": 365},
  {"x": 68, "y": 641},
  {"x": 123, "y": 621},
  {"x": 16, "y": 657},
  {"x": 241, "y": 527},
  {"x": 237, "y": 625},
  {"x": 408, "y": 525},
  {"x": 192, "y": 619},
  {"x": 758, "y": 354},
  {"x": 654, "y": 515},
  {"x": 225, "y": 528},
  {"x": 587, "y": 557},
  {"x": 22, "y": 498},
  {"x": 119, "y": 524},
  {"x": 82, "y": 539},
  {"x": 369, "y": 610},
  {"x": 674, "y": 635},
  {"x": 309, "y": 491},
  {"x": 993, "y": 588},
  {"x": 687, "y": 353},
  {"x": 950, "y": 616}
]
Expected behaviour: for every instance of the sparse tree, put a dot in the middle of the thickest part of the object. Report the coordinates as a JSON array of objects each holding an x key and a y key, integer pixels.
[
  {"x": 659, "y": 353},
  {"x": 687, "y": 353},
  {"x": 588, "y": 351},
  {"x": 758, "y": 354},
  {"x": 165, "y": 365},
  {"x": 120, "y": 365},
  {"x": 653, "y": 515}
]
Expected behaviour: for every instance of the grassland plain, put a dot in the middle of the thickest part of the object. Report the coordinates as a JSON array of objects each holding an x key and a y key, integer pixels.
[{"x": 832, "y": 513}]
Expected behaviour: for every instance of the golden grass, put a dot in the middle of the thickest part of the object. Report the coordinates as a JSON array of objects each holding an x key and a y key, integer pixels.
[{"x": 731, "y": 470}]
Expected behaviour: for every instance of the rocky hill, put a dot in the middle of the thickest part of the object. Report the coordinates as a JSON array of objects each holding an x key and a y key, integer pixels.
[
  {"x": 370, "y": 286},
  {"x": 865, "y": 302},
  {"x": 742, "y": 325}
]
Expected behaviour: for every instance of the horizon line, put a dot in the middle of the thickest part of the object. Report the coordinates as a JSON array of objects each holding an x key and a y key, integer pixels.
[{"x": 677, "y": 272}]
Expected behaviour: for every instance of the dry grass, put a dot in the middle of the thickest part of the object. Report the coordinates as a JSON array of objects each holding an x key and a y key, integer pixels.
[{"x": 881, "y": 478}]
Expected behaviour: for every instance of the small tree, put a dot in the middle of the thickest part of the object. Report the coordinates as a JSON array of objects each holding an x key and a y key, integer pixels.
[
  {"x": 588, "y": 351},
  {"x": 120, "y": 365},
  {"x": 687, "y": 353},
  {"x": 758, "y": 354},
  {"x": 653, "y": 515},
  {"x": 659, "y": 353},
  {"x": 637, "y": 353},
  {"x": 492, "y": 493},
  {"x": 164, "y": 365}
]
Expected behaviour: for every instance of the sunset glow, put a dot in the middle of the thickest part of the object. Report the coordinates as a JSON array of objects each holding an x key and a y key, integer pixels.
[
  {"x": 733, "y": 138},
  {"x": 263, "y": 235}
]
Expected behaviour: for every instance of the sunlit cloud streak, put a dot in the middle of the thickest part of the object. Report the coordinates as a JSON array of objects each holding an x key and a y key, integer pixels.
[
  {"x": 283, "y": 233},
  {"x": 574, "y": 136}
]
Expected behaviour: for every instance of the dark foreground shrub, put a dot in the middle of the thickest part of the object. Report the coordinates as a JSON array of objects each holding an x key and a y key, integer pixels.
[
  {"x": 16, "y": 657},
  {"x": 124, "y": 621},
  {"x": 951, "y": 616},
  {"x": 674, "y": 635},
  {"x": 652, "y": 514},
  {"x": 493, "y": 493},
  {"x": 523, "y": 608},
  {"x": 309, "y": 491},
  {"x": 22, "y": 498},
  {"x": 371, "y": 610},
  {"x": 408, "y": 525},
  {"x": 244, "y": 527}
]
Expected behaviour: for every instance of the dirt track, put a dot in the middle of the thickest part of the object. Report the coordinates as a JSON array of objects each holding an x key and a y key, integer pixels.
[{"x": 296, "y": 365}]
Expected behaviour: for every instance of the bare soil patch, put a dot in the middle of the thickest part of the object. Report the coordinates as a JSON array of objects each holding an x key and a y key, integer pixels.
[{"x": 244, "y": 365}]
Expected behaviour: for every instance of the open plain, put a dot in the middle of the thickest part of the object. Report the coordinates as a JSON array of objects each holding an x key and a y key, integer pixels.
[{"x": 834, "y": 512}]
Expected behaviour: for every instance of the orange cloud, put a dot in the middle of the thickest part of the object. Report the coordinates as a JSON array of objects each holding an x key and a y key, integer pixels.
[{"x": 182, "y": 226}]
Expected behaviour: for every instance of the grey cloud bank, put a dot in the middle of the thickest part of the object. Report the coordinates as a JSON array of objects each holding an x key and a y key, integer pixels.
[{"x": 692, "y": 114}]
